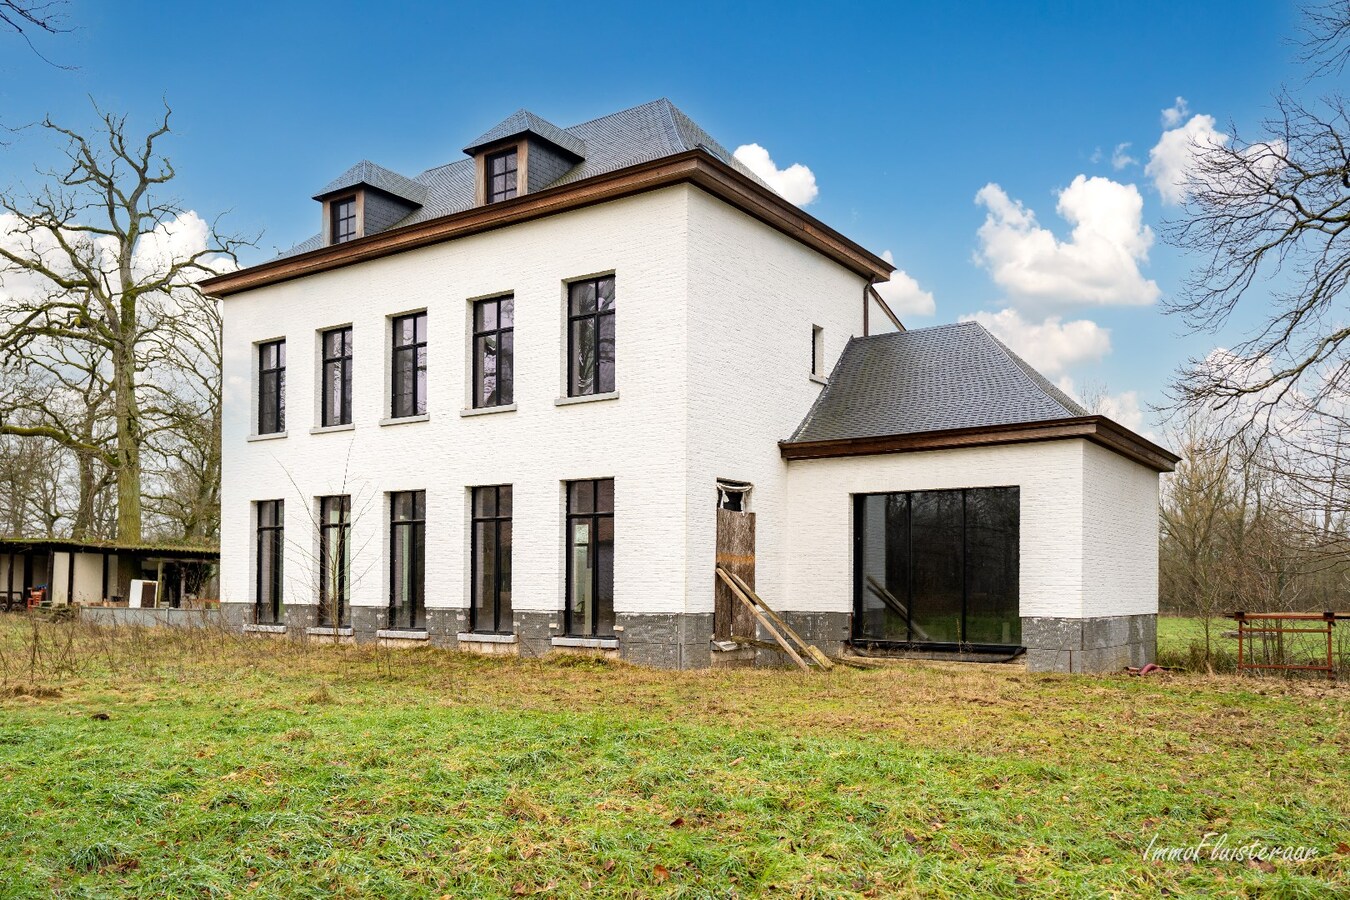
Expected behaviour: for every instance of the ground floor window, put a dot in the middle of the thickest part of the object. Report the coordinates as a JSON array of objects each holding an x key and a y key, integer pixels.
[
  {"x": 335, "y": 535},
  {"x": 490, "y": 610},
  {"x": 407, "y": 551},
  {"x": 270, "y": 541},
  {"x": 590, "y": 558},
  {"x": 937, "y": 568}
]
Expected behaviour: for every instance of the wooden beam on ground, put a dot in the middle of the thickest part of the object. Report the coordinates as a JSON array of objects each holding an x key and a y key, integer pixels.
[
  {"x": 763, "y": 619},
  {"x": 809, "y": 649}
]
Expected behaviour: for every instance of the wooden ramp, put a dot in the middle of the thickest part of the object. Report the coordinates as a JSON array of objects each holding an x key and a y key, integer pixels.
[{"x": 785, "y": 639}]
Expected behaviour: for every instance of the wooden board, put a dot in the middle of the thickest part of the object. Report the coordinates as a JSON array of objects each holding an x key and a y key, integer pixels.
[{"x": 736, "y": 554}]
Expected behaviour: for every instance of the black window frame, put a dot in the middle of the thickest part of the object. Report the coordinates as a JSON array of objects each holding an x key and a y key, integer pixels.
[
  {"x": 411, "y": 614},
  {"x": 272, "y": 382},
  {"x": 817, "y": 351},
  {"x": 494, "y": 523},
  {"x": 504, "y": 366},
  {"x": 343, "y": 526},
  {"x": 269, "y": 538},
  {"x": 342, "y": 219},
  {"x": 342, "y": 361},
  {"x": 510, "y": 154},
  {"x": 596, "y": 317},
  {"x": 410, "y": 355},
  {"x": 592, "y": 519},
  {"x": 857, "y": 636}
]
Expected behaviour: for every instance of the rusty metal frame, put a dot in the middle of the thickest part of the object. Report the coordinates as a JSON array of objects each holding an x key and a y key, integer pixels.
[{"x": 1251, "y": 624}]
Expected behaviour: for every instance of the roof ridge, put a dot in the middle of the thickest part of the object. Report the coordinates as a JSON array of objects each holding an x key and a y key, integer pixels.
[{"x": 1030, "y": 373}]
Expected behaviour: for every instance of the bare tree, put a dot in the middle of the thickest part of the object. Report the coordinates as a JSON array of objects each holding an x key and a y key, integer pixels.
[
  {"x": 97, "y": 244},
  {"x": 1274, "y": 210},
  {"x": 28, "y": 17}
]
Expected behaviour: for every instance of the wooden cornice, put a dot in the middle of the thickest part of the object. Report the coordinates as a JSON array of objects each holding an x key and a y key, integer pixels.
[
  {"x": 1097, "y": 429},
  {"x": 696, "y": 167}
]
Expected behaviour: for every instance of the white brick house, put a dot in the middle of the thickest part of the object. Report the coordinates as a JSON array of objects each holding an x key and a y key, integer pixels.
[{"x": 526, "y": 382}]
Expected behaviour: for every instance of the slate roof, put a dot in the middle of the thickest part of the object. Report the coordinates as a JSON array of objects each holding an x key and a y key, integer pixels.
[
  {"x": 523, "y": 121},
  {"x": 931, "y": 379},
  {"x": 366, "y": 172},
  {"x": 626, "y": 138}
]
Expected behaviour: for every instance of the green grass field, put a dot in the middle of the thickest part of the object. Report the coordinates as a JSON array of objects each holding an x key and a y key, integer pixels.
[{"x": 201, "y": 765}]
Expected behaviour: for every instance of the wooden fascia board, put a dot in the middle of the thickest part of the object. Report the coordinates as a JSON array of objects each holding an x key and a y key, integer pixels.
[
  {"x": 694, "y": 166},
  {"x": 1097, "y": 429}
]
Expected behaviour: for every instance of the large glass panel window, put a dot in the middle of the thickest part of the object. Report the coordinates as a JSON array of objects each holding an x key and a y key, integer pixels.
[
  {"x": 590, "y": 558},
  {"x": 494, "y": 352},
  {"x": 491, "y": 552},
  {"x": 408, "y": 393},
  {"x": 590, "y": 336},
  {"x": 344, "y": 219},
  {"x": 407, "y": 553},
  {"x": 337, "y": 377},
  {"x": 938, "y": 568},
  {"x": 268, "y": 553},
  {"x": 501, "y": 175},
  {"x": 272, "y": 387},
  {"x": 335, "y": 537}
]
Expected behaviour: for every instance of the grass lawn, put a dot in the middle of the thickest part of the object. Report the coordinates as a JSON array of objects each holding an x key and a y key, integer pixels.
[{"x": 207, "y": 765}]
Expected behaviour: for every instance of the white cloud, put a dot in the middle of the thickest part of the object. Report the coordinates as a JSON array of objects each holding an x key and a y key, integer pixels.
[
  {"x": 1097, "y": 265},
  {"x": 903, "y": 294},
  {"x": 796, "y": 183},
  {"x": 1121, "y": 158},
  {"x": 1051, "y": 346},
  {"x": 1174, "y": 114},
  {"x": 1171, "y": 161}
]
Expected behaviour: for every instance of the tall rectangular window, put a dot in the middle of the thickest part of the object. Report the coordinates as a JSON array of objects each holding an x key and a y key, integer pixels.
[
  {"x": 501, "y": 175},
  {"x": 408, "y": 393},
  {"x": 817, "y": 350},
  {"x": 938, "y": 568},
  {"x": 337, "y": 377},
  {"x": 269, "y": 546},
  {"x": 590, "y": 336},
  {"x": 272, "y": 387},
  {"x": 343, "y": 225},
  {"x": 407, "y": 555},
  {"x": 494, "y": 352},
  {"x": 590, "y": 558},
  {"x": 335, "y": 538},
  {"x": 491, "y": 560}
]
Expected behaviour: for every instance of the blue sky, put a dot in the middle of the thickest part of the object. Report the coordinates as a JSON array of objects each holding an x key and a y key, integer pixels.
[{"x": 903, "y": 114}]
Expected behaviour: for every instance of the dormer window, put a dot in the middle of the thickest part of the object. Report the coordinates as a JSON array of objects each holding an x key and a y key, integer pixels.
[
  {"x": 344, "y": 219},
  {"x": 501, "y": 176}
]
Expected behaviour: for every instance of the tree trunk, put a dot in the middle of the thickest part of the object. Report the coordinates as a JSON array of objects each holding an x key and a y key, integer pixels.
[{"x": 126, "y": 411}]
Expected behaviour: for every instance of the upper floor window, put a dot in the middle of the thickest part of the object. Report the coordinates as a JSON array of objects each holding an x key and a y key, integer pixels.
[
  {"x": 272, "y": 387},
  {"x": 343, "y": 226},
  {"x": 494, "y": 352},
  {"x": 818, "y": 351},
  {"x": 408, "y": 393},
  {"x": 337, "y": 377},
  {"x": 590, "y": 336},
  {"x": 501, "y": 175}
]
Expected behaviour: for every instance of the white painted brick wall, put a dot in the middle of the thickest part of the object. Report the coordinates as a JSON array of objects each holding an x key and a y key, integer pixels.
[
  {"x": 638, "y": 439},
  {"x": 1049, "y": 475},
  {"x": 754, "y": 295},
  {"x": 1120, "y": 535}
]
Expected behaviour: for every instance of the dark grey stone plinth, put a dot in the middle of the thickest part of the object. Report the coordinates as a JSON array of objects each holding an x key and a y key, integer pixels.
[
  {"x": 237, "y": 615},
  {"x": 665, "y": 640},
  {"x": 536, "y": 630},
  {"x": 444, "y": 624},
  {"x": 1095, "y": 645},
  {"x": 299, "y": 617},
  {"x": 827, "y": 630},
  {"x": 366, "y": 620}
]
